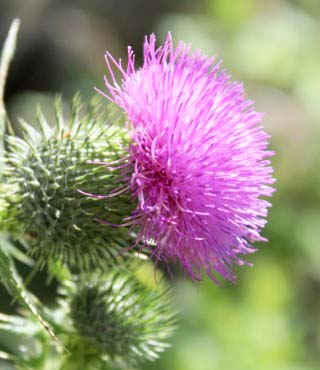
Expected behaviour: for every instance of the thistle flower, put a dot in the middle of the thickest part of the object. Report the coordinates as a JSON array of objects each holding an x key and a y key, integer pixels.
[
  {"x": 43, "y": 173},
  {"x": 198, "y": 158},
  {"x": 127, "y": 320}
]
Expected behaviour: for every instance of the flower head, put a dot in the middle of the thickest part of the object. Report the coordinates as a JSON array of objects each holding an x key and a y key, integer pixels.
[{"x": 199, "y": 157}]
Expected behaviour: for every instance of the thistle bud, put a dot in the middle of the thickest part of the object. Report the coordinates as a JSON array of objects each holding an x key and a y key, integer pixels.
[
  {"x": 126, "y": 319},
  {"x": 46, "y": 168}
]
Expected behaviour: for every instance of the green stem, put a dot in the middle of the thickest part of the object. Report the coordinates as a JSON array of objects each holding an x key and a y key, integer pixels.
[{"x": 6, "y": 57}]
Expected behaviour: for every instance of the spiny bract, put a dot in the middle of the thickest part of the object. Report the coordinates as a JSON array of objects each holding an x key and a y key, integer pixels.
[{"x": 44, "y": 171}]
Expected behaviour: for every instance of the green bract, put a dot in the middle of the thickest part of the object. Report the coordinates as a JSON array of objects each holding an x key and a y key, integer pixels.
[
  {"x": 43, "y": 174},
  {"x": 128, "y": 320}
]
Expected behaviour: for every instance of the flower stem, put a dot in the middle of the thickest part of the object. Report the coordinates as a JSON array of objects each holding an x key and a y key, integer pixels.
[{"x": 6, "y": 57}]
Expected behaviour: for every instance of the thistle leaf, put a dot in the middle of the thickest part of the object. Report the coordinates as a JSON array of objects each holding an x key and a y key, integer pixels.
[
  {"x": 6, "y": 57},
  {"x": 12, "y": 282}
]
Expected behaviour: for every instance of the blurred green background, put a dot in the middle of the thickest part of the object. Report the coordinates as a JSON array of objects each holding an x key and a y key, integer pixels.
[{"x": 269, "y": 320}]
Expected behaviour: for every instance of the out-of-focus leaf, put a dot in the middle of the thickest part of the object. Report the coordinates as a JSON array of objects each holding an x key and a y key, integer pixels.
[{"x": 6, "y": 58}]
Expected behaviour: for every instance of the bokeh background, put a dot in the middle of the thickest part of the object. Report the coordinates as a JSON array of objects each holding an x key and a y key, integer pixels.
[{"x": 269, "y": 320}]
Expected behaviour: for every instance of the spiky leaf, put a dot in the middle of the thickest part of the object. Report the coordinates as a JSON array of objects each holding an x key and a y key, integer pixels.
[{"x": 11, "y": 280}]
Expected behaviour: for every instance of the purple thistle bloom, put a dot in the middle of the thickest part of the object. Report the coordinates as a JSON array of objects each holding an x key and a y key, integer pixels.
[{"x": 199, "y": 156}]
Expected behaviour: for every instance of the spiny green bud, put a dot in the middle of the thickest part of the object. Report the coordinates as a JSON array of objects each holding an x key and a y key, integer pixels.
[
  {"x": 127, "y": 319},
  {"x": 45, "y": 171}
]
